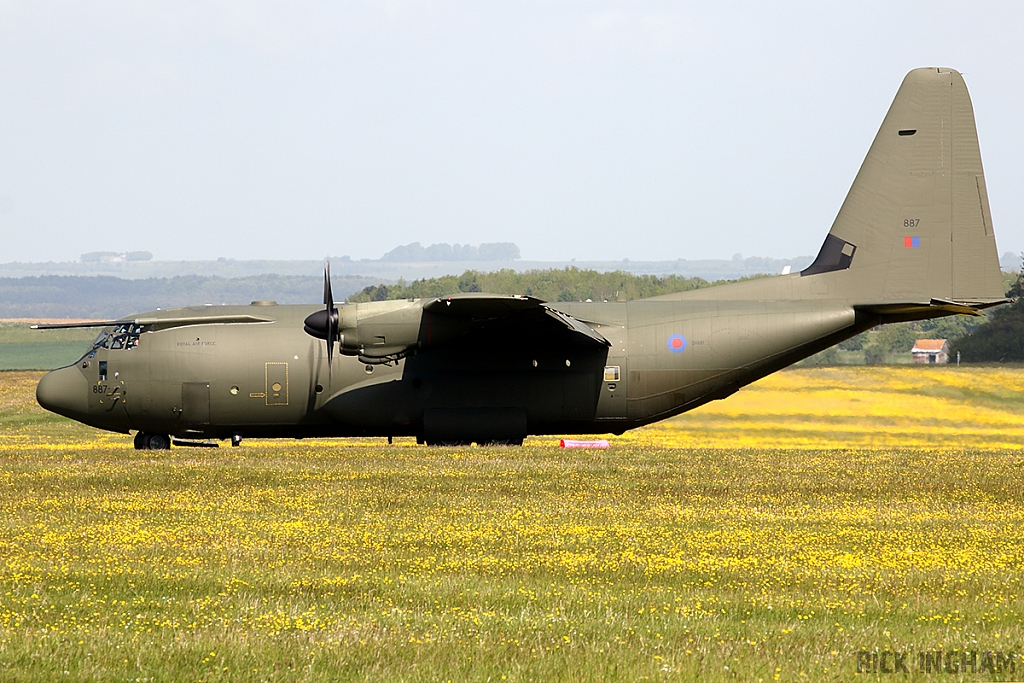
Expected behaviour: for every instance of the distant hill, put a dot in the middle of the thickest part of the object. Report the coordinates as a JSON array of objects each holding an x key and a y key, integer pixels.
[
  {"x": 390, "y": 271},
  {"x": 417, "y": 253},
  {"x": 437, "y": 260},
  {"x": 55, "y": 296}
]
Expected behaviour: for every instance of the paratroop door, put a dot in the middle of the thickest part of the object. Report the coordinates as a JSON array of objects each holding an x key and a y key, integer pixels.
[{"x": 195, "y": 403}]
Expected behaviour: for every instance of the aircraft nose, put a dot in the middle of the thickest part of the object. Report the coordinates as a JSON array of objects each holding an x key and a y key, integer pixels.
[{"x": 64, "y": 391}]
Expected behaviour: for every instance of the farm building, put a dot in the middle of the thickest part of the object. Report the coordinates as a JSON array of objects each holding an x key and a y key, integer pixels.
[{"x": 930, "y": 351}]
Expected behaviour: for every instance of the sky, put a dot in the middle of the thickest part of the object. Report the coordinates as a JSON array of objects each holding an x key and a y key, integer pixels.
[{"x": 593, "y": 130}]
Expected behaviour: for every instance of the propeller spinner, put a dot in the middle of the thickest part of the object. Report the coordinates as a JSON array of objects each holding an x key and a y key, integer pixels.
[{"x": 324, "y": 324}]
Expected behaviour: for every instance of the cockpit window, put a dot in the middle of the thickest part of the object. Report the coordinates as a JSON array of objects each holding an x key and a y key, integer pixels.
[
  {"x": 124, "y": 336},
  {"x": 97, "y": 344}
]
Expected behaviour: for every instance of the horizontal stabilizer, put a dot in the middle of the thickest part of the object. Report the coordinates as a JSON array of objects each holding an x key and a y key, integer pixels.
[{"x": 934, "y": 309}]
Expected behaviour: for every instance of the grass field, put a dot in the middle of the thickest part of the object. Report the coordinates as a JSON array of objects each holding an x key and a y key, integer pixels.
[
  {"x": 771, "y": 536},
  {"x": 22, "y": 348}
]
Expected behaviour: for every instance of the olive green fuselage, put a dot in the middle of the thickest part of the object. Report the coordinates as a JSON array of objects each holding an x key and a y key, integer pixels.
[{"x": 271, "y": 379}]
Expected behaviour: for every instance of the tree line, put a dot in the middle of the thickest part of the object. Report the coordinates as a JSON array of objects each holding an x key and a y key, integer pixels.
[
  {"x": 1001, "y": 338},
  {"x": 568, "y": 284}
]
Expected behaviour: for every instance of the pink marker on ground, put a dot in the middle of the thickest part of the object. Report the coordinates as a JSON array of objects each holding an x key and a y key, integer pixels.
[{"x": 572, "y": 443}]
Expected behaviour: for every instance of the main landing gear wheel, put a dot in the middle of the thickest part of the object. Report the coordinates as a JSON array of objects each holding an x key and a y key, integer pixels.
[{"x": 152, "y": 442}]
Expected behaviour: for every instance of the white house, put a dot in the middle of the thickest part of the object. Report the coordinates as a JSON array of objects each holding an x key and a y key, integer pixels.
[{"x": 930, "y": 351}]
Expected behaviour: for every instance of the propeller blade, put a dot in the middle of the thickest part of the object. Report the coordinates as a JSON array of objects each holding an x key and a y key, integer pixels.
[
  {"x": 324, "y": 324},
  {"x": 328, "y": 296},
  {"x": 332, "y": 313}
]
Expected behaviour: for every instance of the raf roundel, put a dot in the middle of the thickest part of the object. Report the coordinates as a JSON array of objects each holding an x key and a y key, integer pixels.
[{"x": 676, "y": 343}]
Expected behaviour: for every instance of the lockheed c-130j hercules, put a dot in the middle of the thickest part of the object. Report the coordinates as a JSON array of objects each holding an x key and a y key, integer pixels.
[{"x": 913, "y": 240}]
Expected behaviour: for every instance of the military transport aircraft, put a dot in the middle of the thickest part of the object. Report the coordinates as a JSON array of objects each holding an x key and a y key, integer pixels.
[{"x": 913, "y": 240}]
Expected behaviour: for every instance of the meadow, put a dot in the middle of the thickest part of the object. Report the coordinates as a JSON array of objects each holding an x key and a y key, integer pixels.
[
  {"x": 769, "y": 537},
  {"x": 22, "y": 348}
]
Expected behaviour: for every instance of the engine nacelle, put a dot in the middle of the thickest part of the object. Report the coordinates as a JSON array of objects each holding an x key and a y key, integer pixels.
[{"x": 380, "y": 331}]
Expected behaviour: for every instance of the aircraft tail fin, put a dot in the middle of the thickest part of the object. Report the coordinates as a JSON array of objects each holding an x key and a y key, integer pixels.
[{"x": 916, "y": 225}]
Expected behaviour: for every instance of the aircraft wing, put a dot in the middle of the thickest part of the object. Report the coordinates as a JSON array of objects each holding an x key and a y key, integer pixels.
[
  {"x": 577, "y": 325},
  {"x": 481, "y": 306},
  {"x": 477, "y": 309},
  {"x": 160, "y": 323}
]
